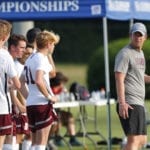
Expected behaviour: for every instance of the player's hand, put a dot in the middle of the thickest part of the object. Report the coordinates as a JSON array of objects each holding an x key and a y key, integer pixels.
[
  {"x": 54, "y": 99},
  {"x": 123, "y": 110},
  {"x": 22, "y": 109}
]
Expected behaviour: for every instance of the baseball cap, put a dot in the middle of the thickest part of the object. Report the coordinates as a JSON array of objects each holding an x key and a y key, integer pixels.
[{"x": 139, "y": 27}]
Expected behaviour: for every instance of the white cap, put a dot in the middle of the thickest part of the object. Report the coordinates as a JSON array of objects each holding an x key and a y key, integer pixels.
[{"x": 139, "y": 27}]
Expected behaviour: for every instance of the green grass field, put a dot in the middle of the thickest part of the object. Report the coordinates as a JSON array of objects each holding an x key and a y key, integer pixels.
[
  {"x": 78, "y": 73},
  {"x": 75, "y": 72},
  {"x": 116, "y": 129},
  {"x": 102, "y": 126}
]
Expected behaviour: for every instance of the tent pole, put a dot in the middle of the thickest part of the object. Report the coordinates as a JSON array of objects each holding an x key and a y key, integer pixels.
[
  {"x": 131, "y": 22},
  {"x": 107, "y": 81}
]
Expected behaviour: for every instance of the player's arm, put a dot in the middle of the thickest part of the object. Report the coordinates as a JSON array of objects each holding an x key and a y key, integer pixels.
[
  {"x": 23, "y": 90},
  {"x": 21, "y": 98},
  {"x": 123, "y": 106},
  {"x": 16, "y": 82},
  {"x": 147, "y": 78},
  {"x": 39, "y": 81},
  {"x": 120, "y": 87},
  {"x": 16, "y": 101}
]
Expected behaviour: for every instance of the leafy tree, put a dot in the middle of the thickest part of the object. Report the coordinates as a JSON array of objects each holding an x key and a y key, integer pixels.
[
  {"x": 78, "y": 38},
  {"x": 81, "y": 37}
]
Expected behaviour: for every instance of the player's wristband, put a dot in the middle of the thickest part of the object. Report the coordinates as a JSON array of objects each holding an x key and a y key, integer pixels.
[{"x": 49, "y": 97}]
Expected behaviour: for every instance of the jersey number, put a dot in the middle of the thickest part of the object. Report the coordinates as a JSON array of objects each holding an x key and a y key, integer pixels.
[{"x": 29, "y": 77}]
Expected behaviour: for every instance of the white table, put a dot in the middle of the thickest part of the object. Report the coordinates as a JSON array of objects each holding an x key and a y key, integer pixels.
[
  {"x": 66, "y": 104},
  {"x": 96, "y": 104},
  {"x": 82, "y": 105}
]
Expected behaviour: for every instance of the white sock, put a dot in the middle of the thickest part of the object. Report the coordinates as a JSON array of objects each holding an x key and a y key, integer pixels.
[
  {"x": 14, "y": 140},
  {"x": 14, "y": 143},
  {"x": 32, "y": 148},
  {"x": 26, "y": 144},
  {"x": 7, "y": 147},
  {"x": 15, "y": 147},
  {"x": 40, "y": 147}
]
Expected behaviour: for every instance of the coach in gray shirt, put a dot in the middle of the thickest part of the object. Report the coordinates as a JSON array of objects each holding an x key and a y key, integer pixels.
[{"x": 130, "y": 84}]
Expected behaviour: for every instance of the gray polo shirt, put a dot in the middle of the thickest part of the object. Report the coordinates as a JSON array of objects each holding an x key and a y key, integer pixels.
[{"x": 132, "y": 63}]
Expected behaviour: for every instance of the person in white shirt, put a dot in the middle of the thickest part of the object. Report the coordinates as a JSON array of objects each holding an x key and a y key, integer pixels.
[
  {"x": 23, "y": 132},
  {"x": 7, "y": 70},
  {"x": 26, "y": 139},
  {"x": 41, "y": 98},
  {"x": 16, "y": 48}
]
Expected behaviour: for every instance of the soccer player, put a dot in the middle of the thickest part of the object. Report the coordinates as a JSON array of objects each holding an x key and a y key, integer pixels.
[
  {"x": 40, "y": 100},
  {"x": 7, "y": 70}
]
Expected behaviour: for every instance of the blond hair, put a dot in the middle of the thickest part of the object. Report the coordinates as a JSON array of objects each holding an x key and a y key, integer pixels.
[
  {"x": 44, "y": 37},
  {"x": 5, "y": 28}
]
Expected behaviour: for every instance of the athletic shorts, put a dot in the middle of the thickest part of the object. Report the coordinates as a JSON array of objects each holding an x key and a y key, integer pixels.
[
  {"x": 41, "y": 116},
  {"x": 20, "y": 122},
  {"x": 64, "y": 116},
  {"x": 136, "y": 123},
  {"x": 14, "y": 124},
  {"x": 5, "y": 124},
  {"x": 22, "y": 126}
]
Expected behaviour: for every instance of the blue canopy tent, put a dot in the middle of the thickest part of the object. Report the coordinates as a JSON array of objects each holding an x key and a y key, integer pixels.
[
  {"x": 128, "y": 9},
  {"x": 51, "y": 9}
]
